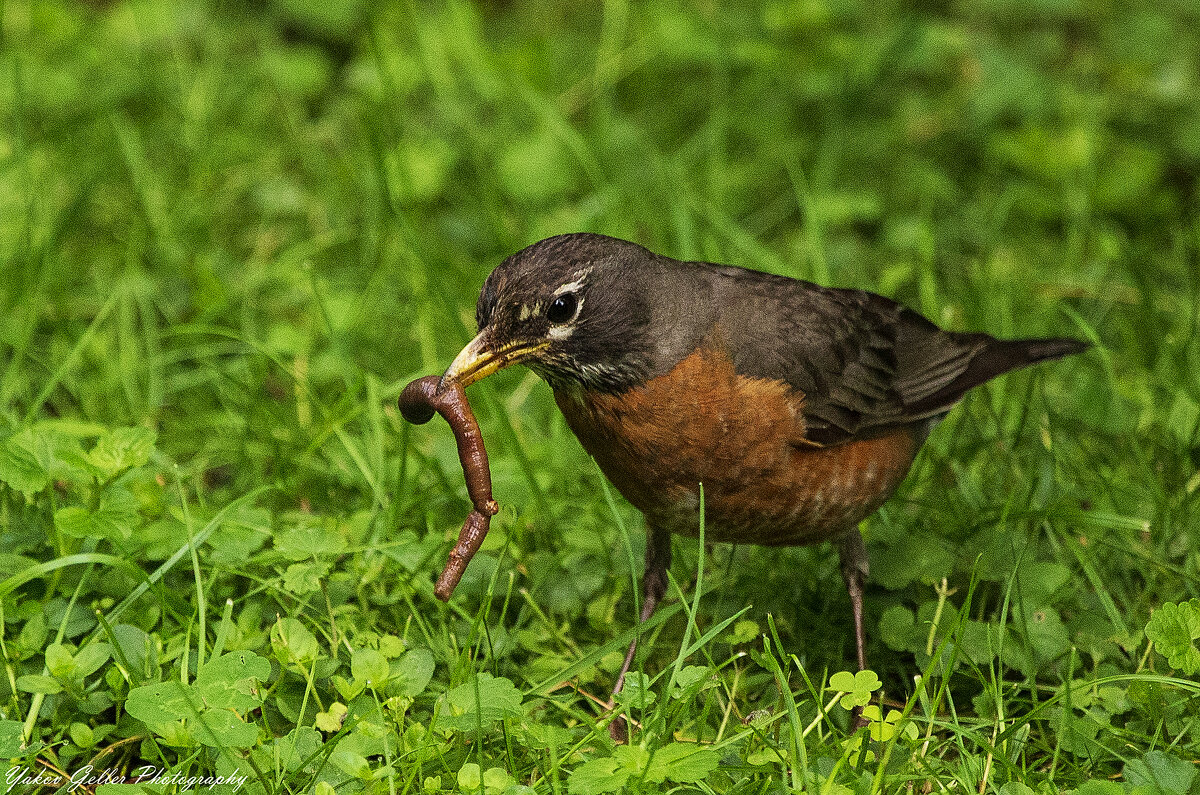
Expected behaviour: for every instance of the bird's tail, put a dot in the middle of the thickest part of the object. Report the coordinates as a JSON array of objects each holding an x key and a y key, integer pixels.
[
  {"x": 1000, "y": 356},
  {"x": 995, "y": 357}
]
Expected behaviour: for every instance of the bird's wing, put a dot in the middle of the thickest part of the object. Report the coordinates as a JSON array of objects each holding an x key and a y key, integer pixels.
[{"x": 863, "y": 362}]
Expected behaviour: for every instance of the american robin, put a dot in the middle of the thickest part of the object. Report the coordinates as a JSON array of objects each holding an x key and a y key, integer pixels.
[{"x": 799, "y": 408}]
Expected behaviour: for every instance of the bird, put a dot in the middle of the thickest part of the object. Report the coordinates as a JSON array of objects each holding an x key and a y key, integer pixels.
[{"x": 797, "y": 408}]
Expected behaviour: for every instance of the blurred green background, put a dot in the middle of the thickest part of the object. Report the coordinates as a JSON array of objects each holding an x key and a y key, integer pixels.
[{"x": 245, "y": 225}]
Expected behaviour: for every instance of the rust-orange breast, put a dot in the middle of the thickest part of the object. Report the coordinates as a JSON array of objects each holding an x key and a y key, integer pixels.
[{"x": 743, "y": 438}]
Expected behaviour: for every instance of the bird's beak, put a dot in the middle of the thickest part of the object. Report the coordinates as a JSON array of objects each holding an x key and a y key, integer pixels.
[{"x": 483, "y": 356}]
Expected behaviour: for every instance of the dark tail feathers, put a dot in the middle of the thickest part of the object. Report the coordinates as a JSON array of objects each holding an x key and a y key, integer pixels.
[
  {"x": 1000, "y": 356},
  {"x": 996, "y": 357},
  {"x": 1030, "y": 351}
]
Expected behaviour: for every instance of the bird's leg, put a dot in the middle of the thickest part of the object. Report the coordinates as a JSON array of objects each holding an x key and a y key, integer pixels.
[
  {"x": 855, "y": 568},
  {"x": 654, "y": 587}
]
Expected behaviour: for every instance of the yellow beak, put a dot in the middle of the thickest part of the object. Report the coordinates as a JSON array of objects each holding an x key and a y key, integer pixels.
[{"x": 480, "y": 359}]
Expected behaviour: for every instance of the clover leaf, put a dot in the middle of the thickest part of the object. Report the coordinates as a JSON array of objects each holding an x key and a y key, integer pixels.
[{"x": 1173, "y": 629}]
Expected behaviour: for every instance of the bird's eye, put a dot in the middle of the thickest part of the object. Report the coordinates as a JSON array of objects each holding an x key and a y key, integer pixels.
[{"x": 562, "y": 308}]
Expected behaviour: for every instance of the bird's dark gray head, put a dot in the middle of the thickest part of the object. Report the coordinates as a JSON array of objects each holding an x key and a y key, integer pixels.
[{"x": 573, "y": 308}]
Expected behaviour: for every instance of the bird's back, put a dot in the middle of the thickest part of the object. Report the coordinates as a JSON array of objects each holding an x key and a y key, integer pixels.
[{"x": 864, "y": 364}]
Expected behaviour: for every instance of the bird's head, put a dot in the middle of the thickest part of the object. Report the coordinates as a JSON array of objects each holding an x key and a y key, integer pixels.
[{"x": 572, "y": 308}]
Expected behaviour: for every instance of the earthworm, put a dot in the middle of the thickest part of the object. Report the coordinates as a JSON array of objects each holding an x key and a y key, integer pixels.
[{"x": 418, "y": 403}]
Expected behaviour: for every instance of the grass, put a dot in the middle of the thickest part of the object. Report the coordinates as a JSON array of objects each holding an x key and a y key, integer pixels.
[{"x": 230, "y": 233}]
